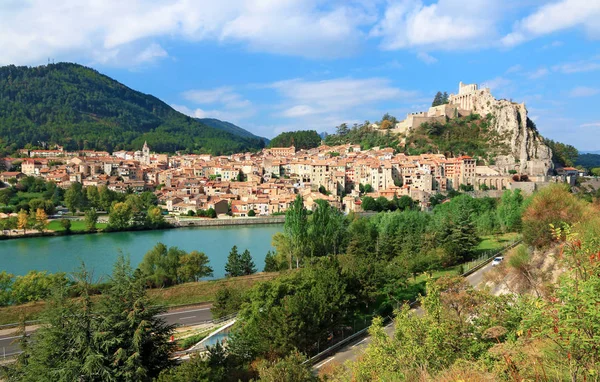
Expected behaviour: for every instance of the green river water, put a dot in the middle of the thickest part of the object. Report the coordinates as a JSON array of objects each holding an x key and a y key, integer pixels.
[{"x": 99, "y": 251}]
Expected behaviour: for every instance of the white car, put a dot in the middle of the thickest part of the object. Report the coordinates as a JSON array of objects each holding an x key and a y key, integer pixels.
[{"x": 497, "y": 260}]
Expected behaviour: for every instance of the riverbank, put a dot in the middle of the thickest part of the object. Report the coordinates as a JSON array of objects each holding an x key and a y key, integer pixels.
[
  {"x": 172, "y": 297},
  {"x": 173, "y": 223}
]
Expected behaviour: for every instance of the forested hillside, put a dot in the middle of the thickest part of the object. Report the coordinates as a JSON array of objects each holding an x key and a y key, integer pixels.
[
  {"x": 303, "y": 139},
  {"x": 229, "y": 127},
  {"x": 79, "y": 108}
]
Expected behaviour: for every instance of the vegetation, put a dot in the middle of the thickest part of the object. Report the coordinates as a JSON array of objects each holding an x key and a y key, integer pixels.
[
  {"x": 120, "y": 338},
  {"x": 562, "y": 154},
  {"x": 163, "y": 266},
  {"x": 364, "y": 135},
  {"x": 79, "y": 108},
  {"x": 440, "y": 99},
  {"x": 472, "y": 135},
  {"x": 302, "y": 139},
  {"x": 589, "y": 161},
  {"x": 239, "y": 264}
]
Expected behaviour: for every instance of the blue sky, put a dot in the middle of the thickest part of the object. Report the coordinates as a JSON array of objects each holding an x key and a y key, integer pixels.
[{"x": 279, "y": 65}]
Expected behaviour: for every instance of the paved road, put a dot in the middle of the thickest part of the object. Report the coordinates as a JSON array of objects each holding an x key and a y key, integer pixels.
[
  {"x": 354, "y": 349},
  {"x": 181, "y": 317}
]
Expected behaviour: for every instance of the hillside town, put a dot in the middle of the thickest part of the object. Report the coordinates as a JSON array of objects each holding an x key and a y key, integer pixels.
[{"x": 267, "y": 182}]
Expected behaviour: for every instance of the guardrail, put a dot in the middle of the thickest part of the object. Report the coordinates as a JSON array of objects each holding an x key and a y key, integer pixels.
[{"x": 323, "y": 354}]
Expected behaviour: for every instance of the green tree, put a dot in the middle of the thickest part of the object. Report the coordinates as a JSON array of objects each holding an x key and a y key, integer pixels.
[
  {"x": 74, "y": 197},
  {"x": 6, "y": 282},
  {"x": 136, "y": 339},
  {"x": 296, "y": 228},
  {"x": 291, "y": 368},
  {"x": 271, "y": 263},
  {"x": 234, "y": 266},
  {"x": 91, "y": 218},
  {"x": 246, "y": 263},
  {"x": 120, "y": 216},
  {"x": 194, "y": 266},
  {"x": 251, "y": 213},
  {"x": 160, "y": 265},
  {"x": 510, "y": 210},
  {"x": 228, "y": 300},
  {"x": 66, "y": 224},
  {"x": 438, "y": 99}
]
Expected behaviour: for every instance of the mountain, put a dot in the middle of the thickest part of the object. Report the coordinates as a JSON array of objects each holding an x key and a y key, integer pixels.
[
  {"x": 230, "y": 128},
  {"x": 589, "y": 152},
  {"x": 79, "y": 108}
]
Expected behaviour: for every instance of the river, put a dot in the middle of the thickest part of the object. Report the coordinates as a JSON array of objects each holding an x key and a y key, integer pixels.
[{"x": 99, "y": 251}]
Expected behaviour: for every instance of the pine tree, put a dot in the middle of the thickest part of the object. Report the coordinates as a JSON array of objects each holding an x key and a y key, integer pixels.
[
  {"x": 247, "y": 264},
  {"x": 445, "y": 98},
  {"x": 233, "y": 268},
  {"x": 134, "y": 338},
  {"x": 271, "y": 264},
  {"x": 438, "y": 99}
]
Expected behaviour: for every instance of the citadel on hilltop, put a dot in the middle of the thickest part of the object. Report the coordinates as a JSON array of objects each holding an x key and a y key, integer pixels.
[{"x": 528, "y": 153}]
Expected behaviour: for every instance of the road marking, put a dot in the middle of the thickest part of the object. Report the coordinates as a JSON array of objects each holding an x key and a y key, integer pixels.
[
  {"x": 187, "y": 318},
  {"x": 10, "y": 338},
  {"x": 360, "y": 342},
  {"x": 182, "y": 312},
  {"x": 324, "y": 362}
]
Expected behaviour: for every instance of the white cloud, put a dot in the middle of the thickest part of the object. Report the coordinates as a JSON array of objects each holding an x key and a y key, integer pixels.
[
  {"x": 102, "y": 30},
  {"x": 583, "y": 91},
  {"x": 514, "y": 69},
  {"x": 426, "y": 58},
  {"x": 225, "y": 104},
  {"x": 334, "y": 96},
  {"x": 539, "y": 73},
  {"x": 593, "y": 124},
  {"x": 447, "y": 24},
  {"x": 579, "y": 66},
  {"x": 554, "y": 17}
]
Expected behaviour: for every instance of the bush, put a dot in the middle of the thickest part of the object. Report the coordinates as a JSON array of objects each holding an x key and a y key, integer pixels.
[
  {"x": 552, "y": 205},
  {"x": 251, "y": 213}
]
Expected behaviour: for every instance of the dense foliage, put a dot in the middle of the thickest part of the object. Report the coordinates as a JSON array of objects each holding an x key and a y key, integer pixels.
[
  {"x": 562, "y": 154},
  {"x": 440, "y": 99},
  {"x": 302, "y": 139},
  {"x": 588, "y": 161},
  {"x": 364, "y": 135},
  {"x": 79, "y": 108},
  {"x": 120, "y": 337},
  {"x": 471, "y": 135}
]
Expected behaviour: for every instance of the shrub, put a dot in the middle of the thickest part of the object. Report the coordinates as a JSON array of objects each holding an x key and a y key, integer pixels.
[{"x": 552, "y": 205}]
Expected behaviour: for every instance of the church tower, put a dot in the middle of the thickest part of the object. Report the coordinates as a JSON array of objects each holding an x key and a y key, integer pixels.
[{"x": 146, "y": 154}]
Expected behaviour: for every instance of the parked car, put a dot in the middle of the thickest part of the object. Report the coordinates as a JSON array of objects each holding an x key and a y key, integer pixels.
[{"x": 497, "y": 260}]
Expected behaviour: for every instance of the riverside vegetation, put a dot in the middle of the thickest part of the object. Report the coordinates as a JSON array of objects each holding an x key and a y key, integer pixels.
[
  {"x": 335, "y": 271},
  {"x": 34, "y": 199}
]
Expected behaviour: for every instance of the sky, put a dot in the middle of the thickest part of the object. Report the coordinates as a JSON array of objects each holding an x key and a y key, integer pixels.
[{"x": 279, "y": 65}]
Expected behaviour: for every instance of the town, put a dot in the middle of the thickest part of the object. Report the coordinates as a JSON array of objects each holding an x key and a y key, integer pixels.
[{"x": 266, "y": 183}]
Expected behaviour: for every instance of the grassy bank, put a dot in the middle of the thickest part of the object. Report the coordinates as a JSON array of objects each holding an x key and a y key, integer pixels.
[
  {"x": 76, "y": 226},
  {"x": 190, "y": 293}
]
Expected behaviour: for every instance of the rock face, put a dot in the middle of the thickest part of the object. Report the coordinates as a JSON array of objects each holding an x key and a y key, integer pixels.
[{"x": 528, "y": 153}]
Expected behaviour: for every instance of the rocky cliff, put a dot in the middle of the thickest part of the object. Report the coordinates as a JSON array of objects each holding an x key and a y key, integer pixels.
[{"x": 528, "y": 153}]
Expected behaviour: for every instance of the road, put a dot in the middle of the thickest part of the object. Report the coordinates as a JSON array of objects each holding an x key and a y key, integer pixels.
[
  {"x": 354, "y": 349},
  {"x": 181, "y": 317}
]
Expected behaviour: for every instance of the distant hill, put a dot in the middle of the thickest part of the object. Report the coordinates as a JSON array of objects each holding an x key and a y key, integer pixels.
[
  {"x": 230, "y": 128},
  {"x": 79, "y": 108},
  {"x": 590, "y": 152},
  {"x": 588, "y": 160}
]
